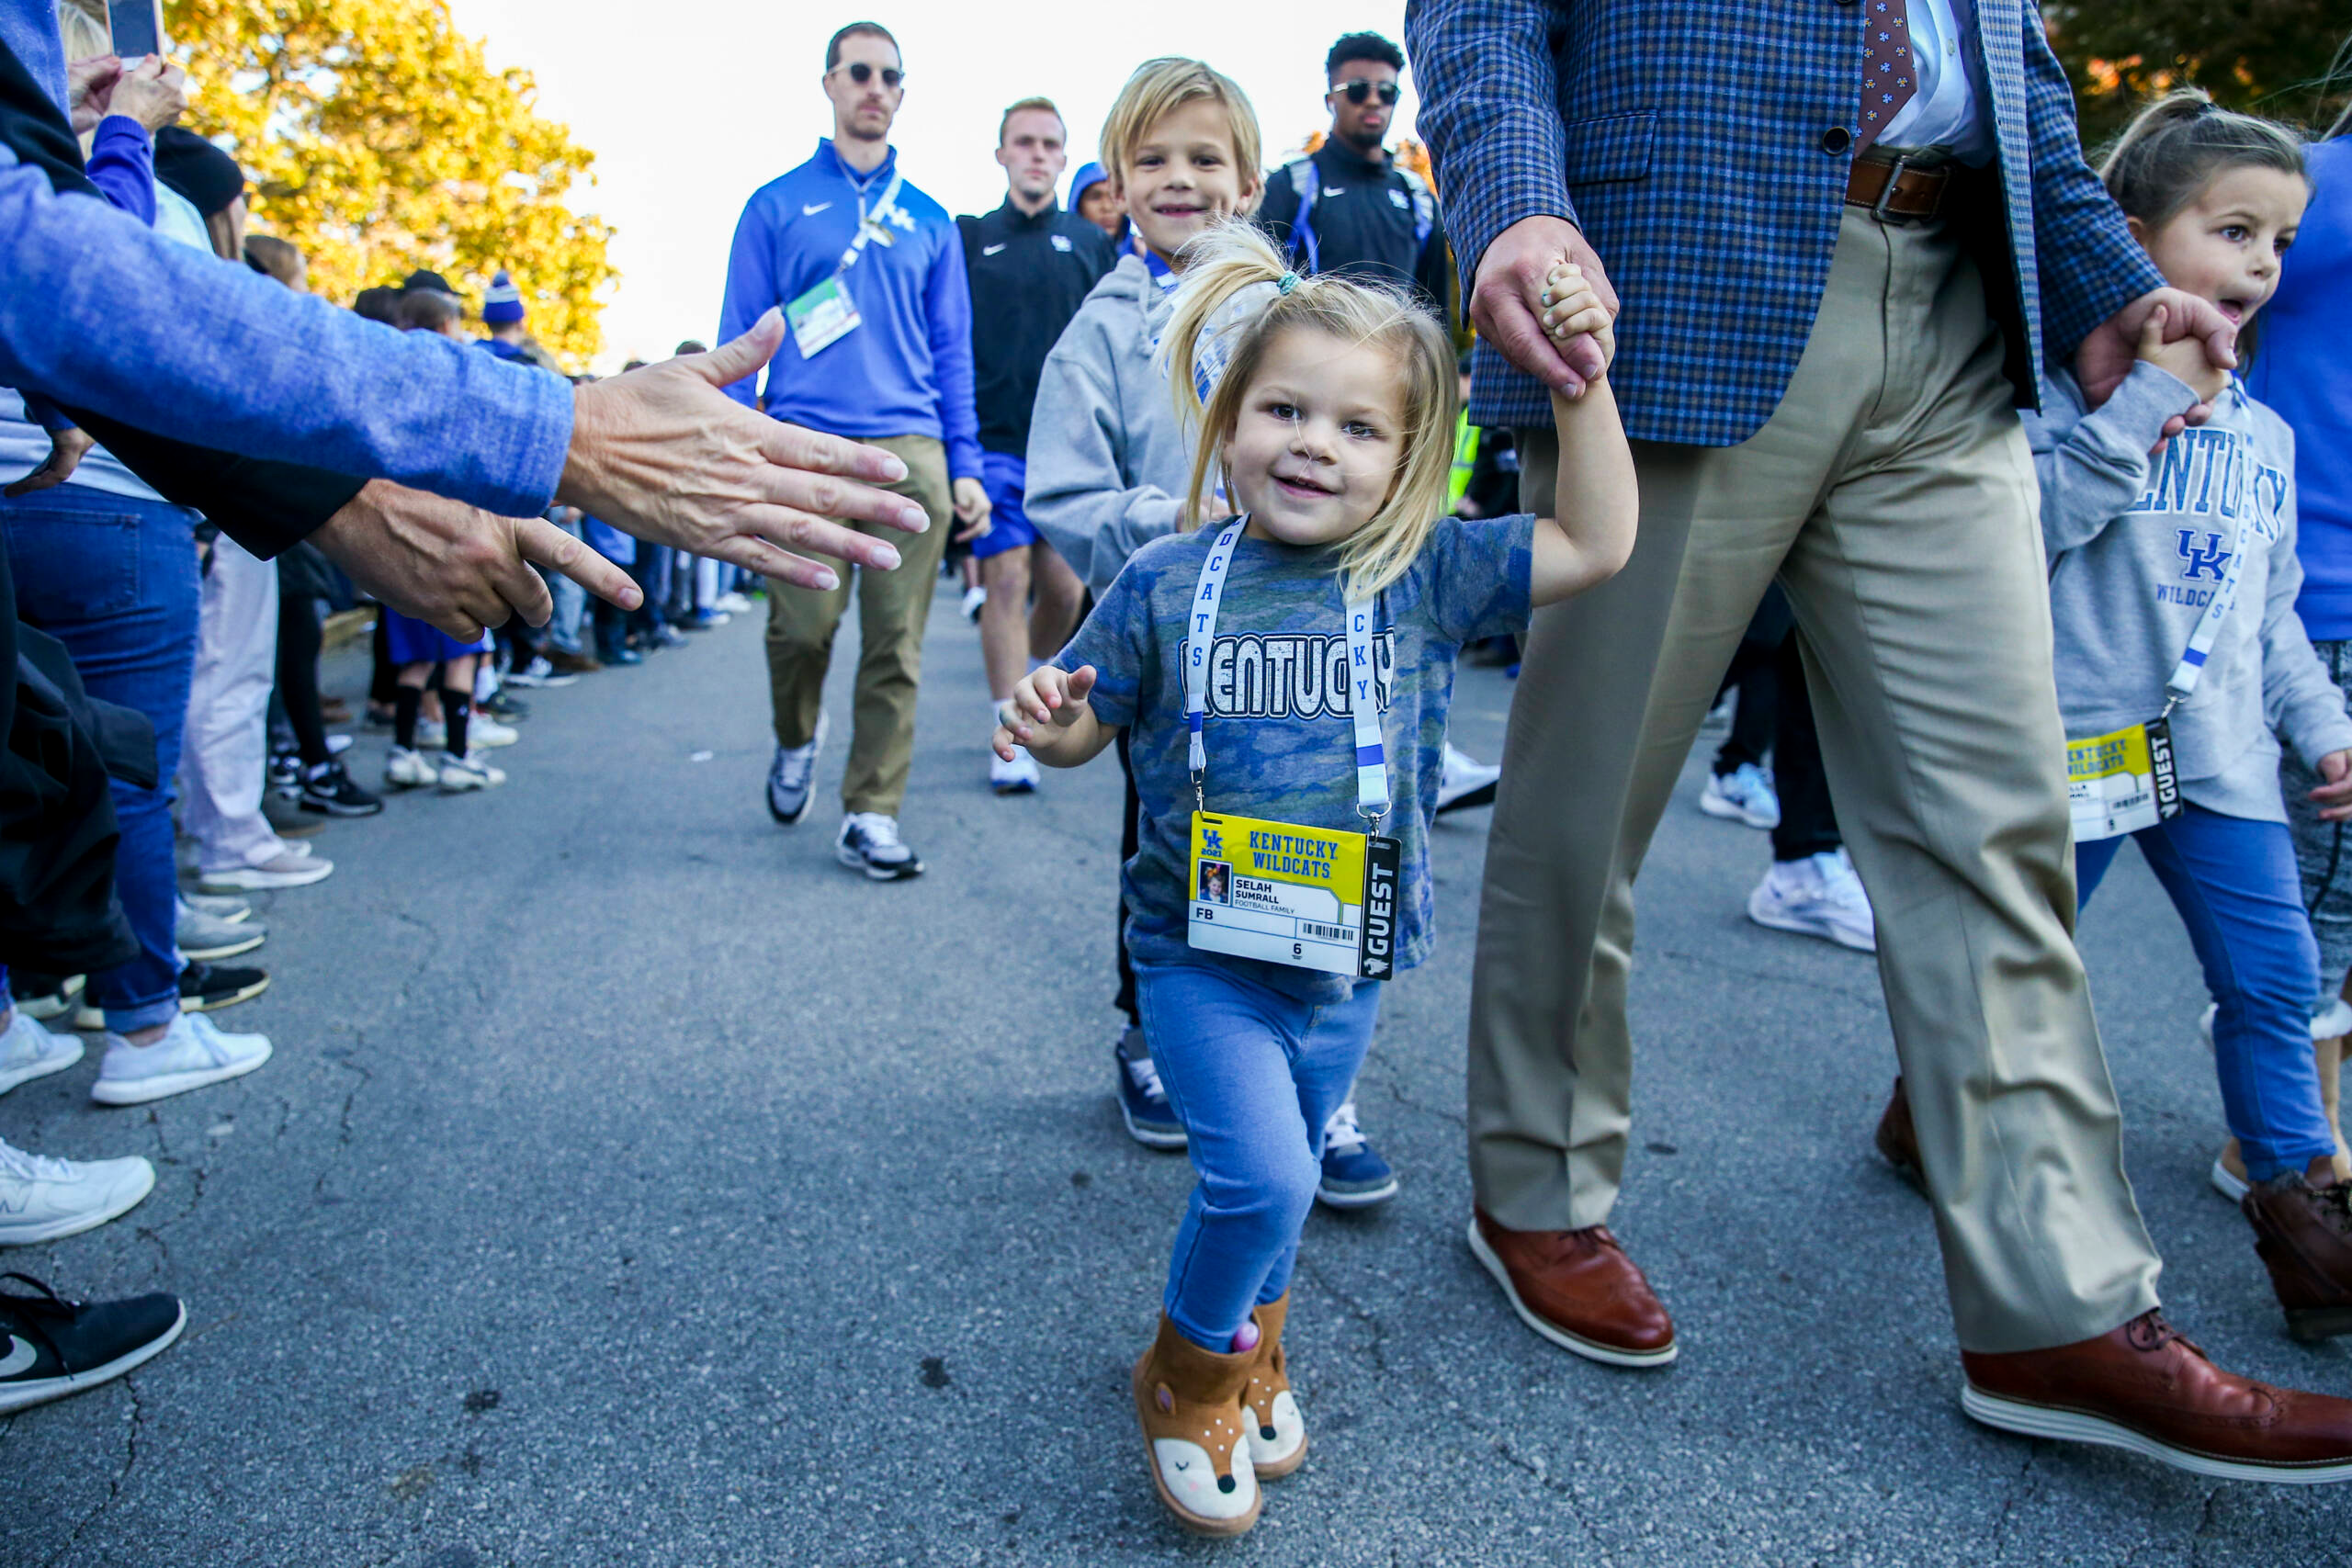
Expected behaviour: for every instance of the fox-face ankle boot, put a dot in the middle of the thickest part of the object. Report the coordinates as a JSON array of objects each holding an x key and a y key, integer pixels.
[
  {"x": 1197, "y": 1432},
  {"x": 1277, "y": 1431}
]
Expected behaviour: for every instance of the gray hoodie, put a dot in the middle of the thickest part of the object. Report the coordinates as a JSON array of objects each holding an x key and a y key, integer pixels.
[
  {"x": 2137, "y": 546},
  {"x": 1108, "y": 461}
]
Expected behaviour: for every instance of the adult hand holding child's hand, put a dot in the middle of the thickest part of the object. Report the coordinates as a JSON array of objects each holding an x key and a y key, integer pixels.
[{"x": 2186, "y": 358}]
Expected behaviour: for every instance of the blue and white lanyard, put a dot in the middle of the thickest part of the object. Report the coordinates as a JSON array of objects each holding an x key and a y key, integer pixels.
[
  {"x": 1364, "y": 696},
  {"x": 869, "y": 222},
  {"x": 2185, "y": 674}
]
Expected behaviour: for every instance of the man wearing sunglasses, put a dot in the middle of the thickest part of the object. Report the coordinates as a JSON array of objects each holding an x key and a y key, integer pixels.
[
  {"x": 869, "y": 273},
  {"x": 1349, "y": 208}
]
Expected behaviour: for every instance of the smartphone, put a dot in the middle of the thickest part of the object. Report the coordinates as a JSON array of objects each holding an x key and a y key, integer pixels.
[{"x": 138, "y": 26}]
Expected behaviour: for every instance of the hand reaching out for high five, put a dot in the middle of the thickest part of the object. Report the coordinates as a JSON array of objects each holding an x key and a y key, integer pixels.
[{"x": 1048, "y": 714}]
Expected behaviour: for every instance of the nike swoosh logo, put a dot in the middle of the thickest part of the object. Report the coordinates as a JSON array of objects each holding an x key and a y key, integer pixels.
[
  {"x": 991, "y": 250},
  {"x": 808, "y": 211},
  {"x": 1328, "y": 191},
  {"x": 20, "y": 1355}
]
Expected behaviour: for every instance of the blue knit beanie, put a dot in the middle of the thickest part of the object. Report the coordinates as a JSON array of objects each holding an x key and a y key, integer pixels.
[{"x": 503, "y": 304}]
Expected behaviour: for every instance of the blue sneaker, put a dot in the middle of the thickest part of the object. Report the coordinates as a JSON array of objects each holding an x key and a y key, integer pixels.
[
  {"x": 1354, "y": 1176},
  {"x": 1743, "y": 795},
  {"x": 1143, "y": 1104}
]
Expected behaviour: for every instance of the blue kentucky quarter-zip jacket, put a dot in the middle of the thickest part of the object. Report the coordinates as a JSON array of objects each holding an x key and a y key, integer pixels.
[{"x": 907, "y": 368}]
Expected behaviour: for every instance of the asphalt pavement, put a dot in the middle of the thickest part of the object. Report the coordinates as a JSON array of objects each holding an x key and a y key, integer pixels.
[{"x": 635, "y": 1185}]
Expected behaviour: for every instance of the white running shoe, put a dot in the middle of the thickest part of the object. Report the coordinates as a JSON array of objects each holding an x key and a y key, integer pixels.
[
  {"x": 540, "y": 675},
  {"x": 793, "y": 775},
  {"x": 1743, "y": 795},
  {"x": 484, "y": 730},
  {"x": 28, "y": 1052},
  {"x": 432, "y": 735},
  {"x": 294, "y": 867},
  {"x": 974, "y": 597},
  {"x": 732, "y": 604},
  {"x": 1463, "y": 782},
  {"x": 869, "y": 842},
  {"x": 471, "y": 771},
  {"x": 42, "y": 1199},
  {"x": 194, "y": 1053},
  {"x": 1017, "y": 777},
  {"x": 406, "y": 768},
  {"x": 56, "y": 1003},
  {"x": 1819, "y": 896}
]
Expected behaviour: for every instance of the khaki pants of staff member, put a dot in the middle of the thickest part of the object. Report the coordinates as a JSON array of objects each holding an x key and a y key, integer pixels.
[
  {"x": 892, "y": 608},
  {"x": 1892, "y": 493}
]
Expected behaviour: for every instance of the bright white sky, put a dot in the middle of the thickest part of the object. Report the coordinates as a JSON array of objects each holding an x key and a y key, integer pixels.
[{"x": 687, "y": 121}]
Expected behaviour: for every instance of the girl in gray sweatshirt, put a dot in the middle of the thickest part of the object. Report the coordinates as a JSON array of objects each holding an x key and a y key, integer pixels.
[{"x": 2181, "y": 663}]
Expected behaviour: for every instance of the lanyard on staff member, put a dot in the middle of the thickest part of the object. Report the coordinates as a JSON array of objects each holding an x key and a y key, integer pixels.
[
  {"x": 826, "y": 314},
  {"x": 1285, "y": 893}
]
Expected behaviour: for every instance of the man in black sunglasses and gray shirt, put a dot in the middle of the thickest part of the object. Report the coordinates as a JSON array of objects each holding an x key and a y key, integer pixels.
[{"x": 1348, "y": 207}]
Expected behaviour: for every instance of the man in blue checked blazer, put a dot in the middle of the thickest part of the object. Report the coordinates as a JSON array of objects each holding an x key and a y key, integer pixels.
[{"x": 1844, "y": 235}]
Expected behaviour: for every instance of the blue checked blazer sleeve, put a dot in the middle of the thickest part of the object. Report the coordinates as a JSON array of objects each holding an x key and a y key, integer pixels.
[
  {"x": 2090, "y": 266},
  {"x": 1485, "y": 71}
]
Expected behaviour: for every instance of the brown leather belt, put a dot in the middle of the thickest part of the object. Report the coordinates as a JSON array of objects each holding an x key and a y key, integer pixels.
[{"x": 1895, "y": 189}]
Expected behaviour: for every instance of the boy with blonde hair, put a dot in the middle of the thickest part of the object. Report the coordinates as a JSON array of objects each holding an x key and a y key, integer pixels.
[{"x": 1108, "y": 462}]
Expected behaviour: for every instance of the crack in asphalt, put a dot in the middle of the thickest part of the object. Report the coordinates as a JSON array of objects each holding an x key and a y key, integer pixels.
[
  {"x": 1534, "y": 1465},
  {"x": 1356, "y": 1309},
  {"x": 114, "y": 1488},
  {"x": 2013, "y": 1494}
]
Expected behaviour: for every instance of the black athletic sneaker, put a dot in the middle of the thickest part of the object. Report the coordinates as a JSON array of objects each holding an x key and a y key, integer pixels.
[
  {"x": 333, "y": 794},
  {"x": 50, "y": 1347},
  {"x": 205, "y": 986}
]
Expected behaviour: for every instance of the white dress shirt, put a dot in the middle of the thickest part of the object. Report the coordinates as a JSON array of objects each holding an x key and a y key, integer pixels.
[{"x": 1951, "y": 109}]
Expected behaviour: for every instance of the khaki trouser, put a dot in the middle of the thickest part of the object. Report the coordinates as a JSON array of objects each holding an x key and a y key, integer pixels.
[
  {"x": 892, "y": 608},
  {"x": 1893, "y": 495}
]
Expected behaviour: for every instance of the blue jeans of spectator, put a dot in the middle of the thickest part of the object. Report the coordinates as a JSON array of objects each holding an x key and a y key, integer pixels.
[
  {"x": 1254, "y": 1075},
  {"x": 571, "y": 605},
  {"x": 114, "y": 578},
  {"x": 2236, "y": 884}
]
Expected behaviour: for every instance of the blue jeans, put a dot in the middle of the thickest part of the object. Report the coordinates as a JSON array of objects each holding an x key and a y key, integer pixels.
[
  {"x": 115, "y": 580},
  {"x": 2236, "y": 884},
  {"x": 571, "y": 603},
  {"x": 1254, "y": 1075}
]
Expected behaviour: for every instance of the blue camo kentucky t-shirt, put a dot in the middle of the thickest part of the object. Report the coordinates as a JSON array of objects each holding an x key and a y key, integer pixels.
[{"x": 1280, "y": 739}]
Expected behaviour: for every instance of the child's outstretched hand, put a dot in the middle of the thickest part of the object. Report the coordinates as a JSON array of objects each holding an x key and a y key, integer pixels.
[
  {"x": 1045, "y": 705},
  {"x": 1569, "y": 306},
  {"x": 2186, "y": 358}
]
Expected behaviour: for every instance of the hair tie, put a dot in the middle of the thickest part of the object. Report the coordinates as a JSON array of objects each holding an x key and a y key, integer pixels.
[{"x": 1286, "y": 283}]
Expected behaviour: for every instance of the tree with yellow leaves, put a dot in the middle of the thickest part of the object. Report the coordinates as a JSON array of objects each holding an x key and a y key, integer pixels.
[{"x": 376, "y": 137}]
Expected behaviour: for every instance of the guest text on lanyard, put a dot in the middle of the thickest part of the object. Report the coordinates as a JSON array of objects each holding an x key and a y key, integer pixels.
[
  {"x": 826, "y": 314},
  {"x": 2124, "y": 781},
  {"x": 1283, "y": 892}
]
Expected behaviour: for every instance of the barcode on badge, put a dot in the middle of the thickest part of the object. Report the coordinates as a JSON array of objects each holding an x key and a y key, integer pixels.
[{"x": 1329, "y": 934}]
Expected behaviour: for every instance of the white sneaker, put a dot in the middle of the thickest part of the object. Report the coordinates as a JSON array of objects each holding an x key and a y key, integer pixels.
[
  {"x": 1463, "y": 782},
  {"x": 1017, "y": 777},
  {"x": 42, "y": 1199},
  {"x": 1743, "y": 795},
  {"x": 869, "y": 842},
  {"x": 482, "y": 730},
  {"x": 405, "y": 768},
  {"x": 293, "y": 868},
  {"x": 58, "y": 1003},
  {"x": 471, "y": 772},
  {"x": 432, "y": 735},
  {"x": 196, "y": 1051},
  {"x": 974, "y": 597},
  {"x": 792, "y": 775},
  {"x": 540, "y": 675},
  {"x": 732, "y": 604},
  {"x": 28, "y": 1052},
  {"x": 1819, "y": 896}
]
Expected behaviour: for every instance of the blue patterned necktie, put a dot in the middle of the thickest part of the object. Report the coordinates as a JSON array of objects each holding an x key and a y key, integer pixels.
[{"x": 1888, "y": 80}]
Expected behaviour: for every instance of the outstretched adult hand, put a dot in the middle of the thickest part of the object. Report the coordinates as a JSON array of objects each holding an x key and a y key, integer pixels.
[
  {"x": 663, "y": 453},
  {"x": 2106, "y": 355},
  {"x": 1511, "y": 276},
  {"x": 457, "y": 566}
]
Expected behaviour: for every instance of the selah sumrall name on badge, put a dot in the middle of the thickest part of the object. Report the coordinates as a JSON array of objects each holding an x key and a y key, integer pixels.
[{"x": 1310, "y": 897}]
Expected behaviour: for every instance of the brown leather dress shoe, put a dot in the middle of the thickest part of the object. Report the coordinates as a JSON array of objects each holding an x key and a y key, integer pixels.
[
  {"x": 2304, "y": 1234},
  {"x": 2145, "y": 1387},
  {"x": 1578, "y": 1289},
  {"x": 1898, "y": 1143}
]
